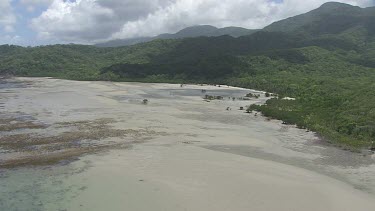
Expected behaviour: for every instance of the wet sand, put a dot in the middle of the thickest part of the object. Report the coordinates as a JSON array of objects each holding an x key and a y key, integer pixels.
[{"x": 68, "y": 145}]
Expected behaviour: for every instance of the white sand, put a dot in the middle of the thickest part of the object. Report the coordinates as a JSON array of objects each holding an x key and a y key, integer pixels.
[
  {"x": 192, "y": 178},
  {"x": 262, "y": 165}
]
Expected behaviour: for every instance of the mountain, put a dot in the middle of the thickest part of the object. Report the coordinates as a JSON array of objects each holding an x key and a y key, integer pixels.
[
  {"x": 234, "y": 31},
  {"x": 189, "y": 32},
  {"x": 330, "y": 18},
  {"x": 322, "y": 13},
  {"x": 335, "y": 24},
  {"x": 325, "y": 59},
  {"x": 207, "y": 31},
  {"x": 125, "y": 42},
  {"x": 193, "y": 31}
]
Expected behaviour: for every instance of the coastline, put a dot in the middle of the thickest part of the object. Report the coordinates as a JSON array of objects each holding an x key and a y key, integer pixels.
[{"x": 187, "y": 148}]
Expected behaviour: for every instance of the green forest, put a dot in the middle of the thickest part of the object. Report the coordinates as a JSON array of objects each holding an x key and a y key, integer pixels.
[{"x": 325, "y": 59}]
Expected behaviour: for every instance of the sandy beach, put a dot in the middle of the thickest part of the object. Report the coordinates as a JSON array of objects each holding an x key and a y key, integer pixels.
[{"x": 69, "y": 145}]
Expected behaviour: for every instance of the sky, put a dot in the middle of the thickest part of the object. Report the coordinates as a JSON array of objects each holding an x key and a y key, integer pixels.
[{"x": 42, "y": 22}]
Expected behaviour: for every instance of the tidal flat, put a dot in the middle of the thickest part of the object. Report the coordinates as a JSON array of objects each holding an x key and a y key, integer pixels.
[{"x": 70, "y": 145}]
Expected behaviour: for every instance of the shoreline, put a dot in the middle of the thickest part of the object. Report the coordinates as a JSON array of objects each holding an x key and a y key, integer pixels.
[
  {"x": 187, "y": 148},
  {"x": 365, "y": 150}
]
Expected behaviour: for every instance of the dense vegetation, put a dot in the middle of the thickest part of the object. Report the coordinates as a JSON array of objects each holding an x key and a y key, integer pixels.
[
  {"x": 193, "y": 31},
  {"x": 324, "y": 59},
  {"x": 78, "y": 62}
]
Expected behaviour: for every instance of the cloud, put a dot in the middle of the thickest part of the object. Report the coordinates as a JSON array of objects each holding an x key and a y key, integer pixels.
[
  {"x": 36, "y": 2},
  {"x": 96, "y": 20},
  {"x": 87, "y": 20},
  {"x": 9, "y": 28},
  {"x": 12, "y": 39},
  {"x": 7, "y": 17},
  {"x": 32, "y": 4}
]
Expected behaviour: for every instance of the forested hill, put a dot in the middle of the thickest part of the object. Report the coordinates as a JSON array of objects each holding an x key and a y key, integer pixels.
[
  {"x": 189, "y": 32},
  {"x": 325, "y": 59},
  {"x": 330, "y": 18}
]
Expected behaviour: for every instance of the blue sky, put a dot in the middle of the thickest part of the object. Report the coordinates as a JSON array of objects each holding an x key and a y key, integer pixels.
[
  {"x": 21, "y": 28},
  {"x": 40, "y": 22}
]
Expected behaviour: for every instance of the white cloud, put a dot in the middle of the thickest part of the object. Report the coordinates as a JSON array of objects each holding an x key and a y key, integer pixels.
[
  {"x": 12, "y": 39},
  {"x": 32, "y": 4},
  {"x": 36, "y": 2},
  {"x": 9, "y": 28},
  {"x": 94, "y": 20},
  {"x": 7, "y": 17}
]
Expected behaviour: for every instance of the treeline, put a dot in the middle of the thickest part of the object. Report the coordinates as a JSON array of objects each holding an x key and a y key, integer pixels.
[
  {"x": 333, "y": 91},
  {"x": 325, "y": 59}
]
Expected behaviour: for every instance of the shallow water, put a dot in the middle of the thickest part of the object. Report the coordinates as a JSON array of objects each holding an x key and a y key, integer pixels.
[{"x": 105, "y": 130}]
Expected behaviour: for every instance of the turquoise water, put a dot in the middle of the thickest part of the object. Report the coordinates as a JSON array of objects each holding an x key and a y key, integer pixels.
[
  {"x": 188, "y": 120},
  {"x": 40, "y": 188}
]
